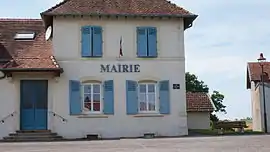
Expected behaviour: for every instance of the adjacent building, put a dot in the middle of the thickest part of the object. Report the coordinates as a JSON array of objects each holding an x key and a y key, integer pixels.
[
  {"x": 91, "y": 67},
  {"x": 254, "y": 73},
  {"x": 199, "y": 108}
]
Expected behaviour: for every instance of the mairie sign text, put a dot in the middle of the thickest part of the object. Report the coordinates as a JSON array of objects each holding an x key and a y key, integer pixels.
[{"x": 120, "y": 68}]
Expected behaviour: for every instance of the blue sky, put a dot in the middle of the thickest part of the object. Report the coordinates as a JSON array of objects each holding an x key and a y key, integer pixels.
[{"x": 226, "y": 35}]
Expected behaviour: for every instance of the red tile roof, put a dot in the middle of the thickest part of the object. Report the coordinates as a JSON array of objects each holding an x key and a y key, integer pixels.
[
  {"x": 117, "y": 7},
  {"x": 254, "y": 72},
  {"x": 32, "y": 54},
  {"x": 198, "y": 102}
]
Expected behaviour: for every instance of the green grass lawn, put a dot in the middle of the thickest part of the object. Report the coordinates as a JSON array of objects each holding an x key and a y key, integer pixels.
[{"x": 214, "y": 132}]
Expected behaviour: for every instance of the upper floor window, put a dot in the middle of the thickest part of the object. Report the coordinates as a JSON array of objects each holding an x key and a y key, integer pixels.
[
  {"x": 91, "y": 41},
  {"x": 146, "y": 42},
  {"x": 92, "y": 97}
]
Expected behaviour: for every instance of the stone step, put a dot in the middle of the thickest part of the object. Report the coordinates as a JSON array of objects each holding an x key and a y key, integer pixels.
[
  {"x": 33, "y": 134},
  {"x": 32, "y": 137},
  {"x": 33, "y": 140},
  {"x": 33, "y": 131}
]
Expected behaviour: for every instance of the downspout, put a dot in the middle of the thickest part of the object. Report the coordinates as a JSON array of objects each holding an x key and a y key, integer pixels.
[{"x": 4, "y": 75}]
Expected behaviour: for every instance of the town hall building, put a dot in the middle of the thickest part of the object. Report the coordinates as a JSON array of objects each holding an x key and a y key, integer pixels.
[{"x": 92, "y": 67}]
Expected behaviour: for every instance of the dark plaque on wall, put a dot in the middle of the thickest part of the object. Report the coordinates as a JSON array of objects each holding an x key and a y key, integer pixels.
[{"x": 176, "y": 86}]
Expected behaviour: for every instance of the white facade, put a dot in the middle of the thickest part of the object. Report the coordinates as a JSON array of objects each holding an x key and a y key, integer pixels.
[
  {"x": 198, "y": 120},
  {"x": 258, "y": 107},
  {"x": 169, "y": 65}
]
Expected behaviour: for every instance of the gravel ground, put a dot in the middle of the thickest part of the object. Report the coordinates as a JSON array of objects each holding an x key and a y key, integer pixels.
[{"x": 259, "y": 143}]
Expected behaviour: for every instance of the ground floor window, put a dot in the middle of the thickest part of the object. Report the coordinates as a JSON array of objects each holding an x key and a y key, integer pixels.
[
  {"x": 148, "y": 97},
  {"x": 92, "y": 97}
]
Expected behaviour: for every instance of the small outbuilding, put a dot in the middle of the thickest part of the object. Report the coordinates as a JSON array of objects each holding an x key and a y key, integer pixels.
[{"x": 199, "y": 108}]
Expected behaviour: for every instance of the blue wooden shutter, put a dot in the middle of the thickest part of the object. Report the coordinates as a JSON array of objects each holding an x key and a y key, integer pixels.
[
  {"x": 152, "y": 42},
  {"x": 86, "y": 41},
  {"x": 164, "y": 97},
  {"x": 141, "y": 42},
  {"x": 131, "y": 97},
  {"x": 97, "y": 41},
  {"x": 108, "y": 105},
  {"x": 75, "y": 103}
]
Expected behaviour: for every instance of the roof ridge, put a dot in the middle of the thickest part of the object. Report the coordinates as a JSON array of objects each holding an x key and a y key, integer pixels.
[
  {"x": 20, "y": 19},
  {"x": 65, "y": 1},
  {"x": 55, "y": 6},
  {"x": 258, "y": 62},
  {"x": 196, "y": 92},
  {"x": 175, "y": 5}
]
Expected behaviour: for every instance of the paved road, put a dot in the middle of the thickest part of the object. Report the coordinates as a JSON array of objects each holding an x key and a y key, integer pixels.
[{"x": 259, "y": 143}]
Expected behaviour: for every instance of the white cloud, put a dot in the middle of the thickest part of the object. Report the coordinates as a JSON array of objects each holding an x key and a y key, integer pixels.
[
  {"x": 226, "y": 35},
  {"x": 51, "y": 3},
  {"x": 231, "y": 66}
]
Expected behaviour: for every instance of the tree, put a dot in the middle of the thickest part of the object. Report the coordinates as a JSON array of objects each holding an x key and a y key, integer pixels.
[
  {"x": 217, "y": 99},
  {"x": 248, "y": 118},
  {"x": 195, "y": 85}
]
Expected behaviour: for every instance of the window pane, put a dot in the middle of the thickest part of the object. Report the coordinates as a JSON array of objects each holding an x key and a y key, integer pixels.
[
  {"x": 96, "y": 106},
  {"x": 142, "y": 101},
  {"x": 142, "y": 106},
  {"x": 87, "y": 98},
  {"x": 151, "y": 88},
  {"x": 151, "y": 106},
  {"x": 142, "y": 88},
  {"x": 142, "y": 97},
  {"x": 96, "y": 88},
  {"x": 96, "y": 97},
  {"x": 87, "y": 106},
  {"x": 87, "y": 88},
  {"x": 151, "y": 97}
]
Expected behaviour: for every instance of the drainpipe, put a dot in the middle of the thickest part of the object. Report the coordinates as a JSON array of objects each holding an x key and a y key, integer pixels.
[{"x": 2, "y": 75}]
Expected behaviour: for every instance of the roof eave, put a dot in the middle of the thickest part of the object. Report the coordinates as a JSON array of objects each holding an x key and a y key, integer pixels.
[
  {"x": 188, "y": 21},
  {"x": 188, "y": 18},
  {"x": 32, "y": 70},
  {"x": 201, "y": 110},
  {"x": 248, "y": 78},
  {"x": 212, "y": 102}
]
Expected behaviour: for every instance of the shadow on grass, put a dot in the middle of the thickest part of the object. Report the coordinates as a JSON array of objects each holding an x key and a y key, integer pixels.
[{"x": 214, "y": 132}]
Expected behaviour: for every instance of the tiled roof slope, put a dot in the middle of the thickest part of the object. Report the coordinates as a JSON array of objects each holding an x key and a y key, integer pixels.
[
  {"x": 15, "y": 54},
  {"x": 198, "y": 102},
  {"x": 118, "y": 7},
  {"x": 255, "y": 70}
]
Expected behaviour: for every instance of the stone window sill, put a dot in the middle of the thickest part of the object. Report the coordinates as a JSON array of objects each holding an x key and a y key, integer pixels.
[
  {"x": 149, "y": 115},
  {"x": 93, "y": 116}
]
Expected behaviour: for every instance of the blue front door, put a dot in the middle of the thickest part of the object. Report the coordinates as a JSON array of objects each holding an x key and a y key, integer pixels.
[{"x": 34, "y": 103}]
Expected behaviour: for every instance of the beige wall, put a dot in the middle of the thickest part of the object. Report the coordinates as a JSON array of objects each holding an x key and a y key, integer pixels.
[
  {"x": 9, "y": 102},
  {"x": 257, "y": 106},
  {"x": 170, "y": 65},
  {"x": 67, "y": 37},
  {"x": 10, "y": 99},
  {"x": 198, "y": 120}
]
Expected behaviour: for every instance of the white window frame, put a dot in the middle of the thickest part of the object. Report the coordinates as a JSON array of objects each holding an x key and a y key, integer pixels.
[
  {"x": 92, "y": 103},
  {"x": 156, "y": 97}
]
